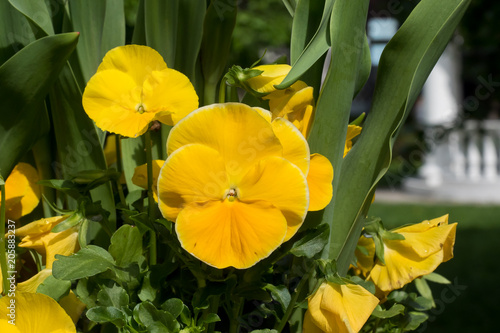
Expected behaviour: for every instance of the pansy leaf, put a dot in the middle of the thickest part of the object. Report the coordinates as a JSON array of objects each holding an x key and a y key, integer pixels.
[
  {"x": 436, "y": 278},
  {"x": 113, "y": 296},
  {"x": 107, "y": 314},
  {"x": 279, "y": 294},
  {"x": 395, "y": 310},
  {"x": 89, "y": 261},
  {"x": 413, "y": 320},
  {"x": 312, "y": 242},
  {"x": 174, "y": 306},
  {"x": 126, "y": 245},
  {"x": 54, "y": 288}
]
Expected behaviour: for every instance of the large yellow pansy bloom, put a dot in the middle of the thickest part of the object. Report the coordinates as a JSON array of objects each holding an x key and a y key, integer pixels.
[
  {"x": 336, "y": 308},
  {"x": 133, "y": 87},
  {"x": 34, "y": 313},
  {"x": 233, "y": 189},
  {"x": 426, "y": 245},
  {"x": 22, "y": 194},
  {"x": 37, "y": 235}
]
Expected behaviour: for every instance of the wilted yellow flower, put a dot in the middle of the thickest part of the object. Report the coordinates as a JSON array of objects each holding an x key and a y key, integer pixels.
[
  {"x": 426, "y": 245},
  {"x": 33, "y": 313},
  {"x": 336, "y": 308},
  {"x": 133, "y": 87},
  {"x": 22, "y": 194},
  {"x": 234, "y": 183},
  {"x": 140, "y": 177},
  {"x": 352, "y": 132},
  {"x": 38, "y": 236}
]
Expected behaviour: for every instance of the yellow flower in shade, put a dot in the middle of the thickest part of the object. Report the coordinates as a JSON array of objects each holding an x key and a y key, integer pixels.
[
  {"x": 270, "y": 76},
  {"x": 133, "y": 87},
  {"x": 352, "y": 132},
  {"x": 22, "y": 194},
  {"x": 110, "y": 150},
  {"x": 38, "y": 236},
  {"x": 426, "y": 245},
  {"x": 234, "y": 183},
  {"x": 336, "y": 308},
  {"x": 34, "y": 313},
  {"x": 140, "y": 177}
]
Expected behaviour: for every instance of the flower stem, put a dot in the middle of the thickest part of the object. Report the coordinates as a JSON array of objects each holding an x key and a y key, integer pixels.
[
  {"x": 279, "y": 326},
  {"x": 222, "y": 91},
  {"x": 236, "y": 313},
  {"x": 119, "y": 167},
  {"x": 3, "y": 257},
  {"x": 151, "y": 202}
]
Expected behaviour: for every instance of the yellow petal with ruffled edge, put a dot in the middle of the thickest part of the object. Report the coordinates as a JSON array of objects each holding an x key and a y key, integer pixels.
[
  {"x": 336, "y": 308},
  {"x": 140, "y": 177},
  {"x": 22, "y": 194},
  {"x": 73, "y": 306},
  {"x": 170, "y": 95},
  {"x": 272, "y": 75},
  {"x": 237, "y": 234},
  {"x": 136, "y": 61},
  {"x": 365, "y": 261},
  {"x": 319, "y": 179},
  {"x": 193, "y": 173},
  {"x": 111, "y": 99},
  {"x": 239, "y": 133},
  {"x": 31, "y": 285},
  {"x": 36, "y": 313},
  {"x": 278, "y": 181},
  {"x": 352, "y": 132}
]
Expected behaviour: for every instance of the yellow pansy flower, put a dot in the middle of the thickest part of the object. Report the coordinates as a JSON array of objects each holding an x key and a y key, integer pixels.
[
  {"x": 140, "y": 177},
  {"x": 352, "y": 132},
  {"x": 426, "y": 245},
  {"x": 270, "y": 76},
  {"x": 38, "y": 236},
  {"x": 34, "y": 313},
  {"x": 133, "y": 87},
  {"x": 234, "y": 183},
  {"x": 338, "y": 308},
  {"x": 22, "y": 194}
]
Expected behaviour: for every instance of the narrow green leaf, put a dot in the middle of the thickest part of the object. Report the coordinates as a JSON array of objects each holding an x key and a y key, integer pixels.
[
  {"x": 365, "y": 68},
  {"x": 88, "y": 261},
  {"x": 70, "y": 222},
  {"x": 436, "y": 278},
  {"x": 126, "y": 245},
  {"x": 133, "y": 155},
  {"x": 395, "y": 310},
  {"x": 25, "y": 79},
  {"x": 16, "y": 31},
  {"x": 316, "y": 48},
  {"x": 37, "y": 13},
  {"x": 404, "y": 66},
  {"x": 424, "y": 289},
  {"x": 161, "y": 23}
]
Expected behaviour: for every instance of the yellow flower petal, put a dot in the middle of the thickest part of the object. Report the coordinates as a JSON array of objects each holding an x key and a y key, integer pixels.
[
  {"x": 193, "y": 173},
  {"x": 272, "y": 75},
  {"x": 35, "y": 313},
  {"x": 239, "y": 133},
  {"x": 365, "y": 262},
  {"x": 140, "y": 177},
  {"x": 170, "y": 95},
  {"x": 319, "y": 179},
  {"x": 73, "y": 306},
  {"x": 22, "y": 194},
  {"x": 237, "y": 234},
  {"x": 136, "y": 61},
  {"x": 110, "y": 150},
  {"x": 111, "y": 99},
  {"x": 31, "y": 285},
  {"x": 295, "y": 147},
  {"x": 339, "y": 308},
  {"x": 5, "y": 327},
  {"x": 278, "y": 181},
  {"x": 352, "y": 132}
]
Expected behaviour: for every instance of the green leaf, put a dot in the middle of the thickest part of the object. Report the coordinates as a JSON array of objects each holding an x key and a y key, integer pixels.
[
  {"x": 149, "y": 316},
  {"x": 316, "y": 48},
  {"x": 280, "y": 294},
  {"x": 114, "y": 296},
  {"x": 395, "y": 310},
  {"x": 54, "y": 288},
  {"x": 174, "y": 306},
  {"x": 37, "y": 13},
  {"x": 126, "y": 245},
  {"x": 264, "y": 331},
  {"x": 87, "y": 262},
  {"x": 418, "y": 303},
  {"x": 211, "y": 318},
  {"x": 86, "y": 290},
  {"x": 414, "y": 319},
  {"x": 107, "y": 314},
  {"x": 436, "y": 278},
  {"x": 16, "y": 32},
  {"x": 365, "y": 68},
  {"x": 424, "y": 290},
  {"x": 312, "y": 242},
  {"x": 72, "y": 220},
  {"x": 25, "y": 79},
  {"x": 65, "y": 186},
  {"x": 404, "y": 66}
]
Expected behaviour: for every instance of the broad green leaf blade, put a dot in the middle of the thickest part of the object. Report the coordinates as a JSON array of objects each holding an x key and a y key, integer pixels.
[
  {"x": 78, "y": 144},
  {"x": 316, "y": 48},
  {"x": 218, "y": 27},
  {"x": 37, "y": 13},
  {"x": 305, "y": 24},
  {"x": 102, "y": 26},
  {"x": 89, "y": 261},
  {"x": 334, "y": 105},
  {"x": 25, "y": 79},
  {"x": 161, "y": 23},
  {"x": 54, "y": 288},
  {"x": 16, "y": 32},
  {"x": 126, "y": 245},
  {"x": 404, "y": 66},
  {"x": 139, "y": 35},
  {"x": 365, "y": 67},
  {"x": 107, "y": 314}
]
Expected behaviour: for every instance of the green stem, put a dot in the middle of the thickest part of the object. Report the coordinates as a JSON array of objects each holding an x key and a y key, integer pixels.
[
  {"x": 236, "y": 313},
  {"x": 3, "y": 257},
  {"x": 209, "y": 93},
  {"x": 279, "y": 327},
  {"x": 222, "y": 91},
  {"x": 119, "y": 167},
  {"x": 151, "y": 201}
]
